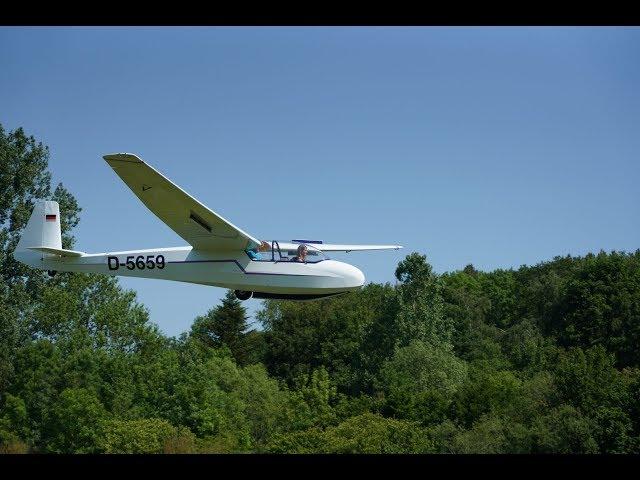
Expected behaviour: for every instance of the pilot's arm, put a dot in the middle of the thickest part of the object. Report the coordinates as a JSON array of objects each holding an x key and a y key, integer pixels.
[{"x": 253, "y": 254}]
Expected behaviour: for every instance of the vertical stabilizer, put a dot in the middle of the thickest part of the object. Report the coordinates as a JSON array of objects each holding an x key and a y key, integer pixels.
[{"x": 42, "y": 230}]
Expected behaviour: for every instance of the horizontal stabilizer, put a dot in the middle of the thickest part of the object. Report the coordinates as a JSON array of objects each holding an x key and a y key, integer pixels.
[{"x": 58, "y": 251}]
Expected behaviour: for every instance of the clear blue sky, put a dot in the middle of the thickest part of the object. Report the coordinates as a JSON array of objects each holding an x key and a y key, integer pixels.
[{"x": 492, "y": 146}]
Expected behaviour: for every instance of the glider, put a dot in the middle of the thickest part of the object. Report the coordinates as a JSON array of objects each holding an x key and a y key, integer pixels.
[{"x": 220, "y": 253}]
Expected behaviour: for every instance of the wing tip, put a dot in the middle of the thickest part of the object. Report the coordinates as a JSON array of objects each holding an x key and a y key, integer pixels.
[{"x": 112, "y": 158}]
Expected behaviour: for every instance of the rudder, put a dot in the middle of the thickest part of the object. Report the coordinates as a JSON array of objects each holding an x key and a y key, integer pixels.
[{"x": 42, "y": 230}]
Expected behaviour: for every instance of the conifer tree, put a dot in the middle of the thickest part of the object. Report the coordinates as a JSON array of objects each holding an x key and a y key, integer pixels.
[{"x": 225, "y": 325}]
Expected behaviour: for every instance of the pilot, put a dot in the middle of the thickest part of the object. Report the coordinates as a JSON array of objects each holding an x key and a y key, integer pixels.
[
  {"x": 253, "y": 251},
  {"x": 302, "y": 254}
]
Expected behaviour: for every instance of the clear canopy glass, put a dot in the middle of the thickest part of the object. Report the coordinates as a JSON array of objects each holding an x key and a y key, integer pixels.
[
  {"x": 313, "y": 254},
  {"x": 275, "y": 253}
]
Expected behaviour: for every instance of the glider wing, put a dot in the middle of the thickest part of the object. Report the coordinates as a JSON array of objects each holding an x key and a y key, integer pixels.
[
  {"x": 203, "y": 228},
  {"x": 327, "y": 247}
]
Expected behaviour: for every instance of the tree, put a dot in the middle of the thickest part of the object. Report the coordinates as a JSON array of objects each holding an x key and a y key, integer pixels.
[
  {"x": 493, "y": 434},
  {"x": 367, "y": 433},
  {"x": 588, "y": 379},
  {"x": 350, "y": 336},
  {"x": 13, "y": 425},
  {"x": 485, "y": 391},
  {"x": 318, "y": 392},
  {"x": 499, "y": 287},
  {"x": 466, "y": 307},
  {"x": 225, "y": 325},
  {"x": 602, "y": 306},
  {"x": 371, "y": 433},
  {"x": 420, "y": 380},
  {"x": 563, "y": 430},
  {"x": 76, "y": 419},
  {"x": 152, "y": 435},
  {"x": 24, "y": 178},
  {"x": 421, "y": 307},
  {"x": 527, "y": 349},
  {"x": 612, "y": 430}
]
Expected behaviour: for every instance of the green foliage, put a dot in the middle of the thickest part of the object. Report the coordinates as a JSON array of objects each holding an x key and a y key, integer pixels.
[
  {"x": 13, "y": 425},
  {"x": 588, "y": 379},
  {"x": 563, "y": 430},
  {"x": 92, "y": 311},
  {"x": 319, "y": 394},
  {"x": 24, "y": 178},
  {"x": 370, "y": 433},
  {"x": 14, "y": 416},
  {"x": 499, "y": 287},
  {"x": 226, "y": 325},
  {"x": 308, "y": 441},
  {"x": 350, "y": 336},
  {"x": 493, "y": 434},
  {"x": 602, "y": 306},
  {"x": 148, "y": 435},
  {"x": 12, "y": 444},
  {"x": 419, "y": 381},
  {"x": 612, "y": 430},
  {"x": 74, "y": 423},
  {"x": 527, "y": 349},
  {"x": 465, "y": 306},
  {"x": 485, "y": 391},
  {"x": 367, "y": 433},
  {"x": 421, "y": 314},
  {"x": 420, "y": 366}
]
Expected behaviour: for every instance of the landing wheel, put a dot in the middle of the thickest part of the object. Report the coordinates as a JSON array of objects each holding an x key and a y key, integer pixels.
[
  {"x": 242, "y": 295},
  {"x": 51, "y": 273}
]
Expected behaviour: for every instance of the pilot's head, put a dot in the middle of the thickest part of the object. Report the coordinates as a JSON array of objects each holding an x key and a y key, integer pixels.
[{"x": 302, "y": 252}]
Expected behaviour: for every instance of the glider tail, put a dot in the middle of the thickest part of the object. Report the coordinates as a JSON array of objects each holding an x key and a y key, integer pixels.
[{"x": 42, "y": 230}]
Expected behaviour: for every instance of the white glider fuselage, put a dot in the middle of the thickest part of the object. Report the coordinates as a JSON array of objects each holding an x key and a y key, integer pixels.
[{"x": 231, "y": 269}]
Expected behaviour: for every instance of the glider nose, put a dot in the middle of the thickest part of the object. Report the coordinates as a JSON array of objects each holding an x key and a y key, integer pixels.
[{"x": 354, "y": 277}]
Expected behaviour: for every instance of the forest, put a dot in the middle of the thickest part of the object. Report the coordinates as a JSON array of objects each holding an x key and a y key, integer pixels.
[{"x": 539, "y": 359}]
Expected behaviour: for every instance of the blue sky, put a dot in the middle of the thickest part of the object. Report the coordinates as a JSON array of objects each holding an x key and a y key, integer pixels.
[{"x": 492, "y": 146}]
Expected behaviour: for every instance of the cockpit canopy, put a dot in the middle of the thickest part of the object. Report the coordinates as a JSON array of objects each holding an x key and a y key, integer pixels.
[
  {"x": 274, "y": 253},
  {"x": 313, "y": 254}
]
